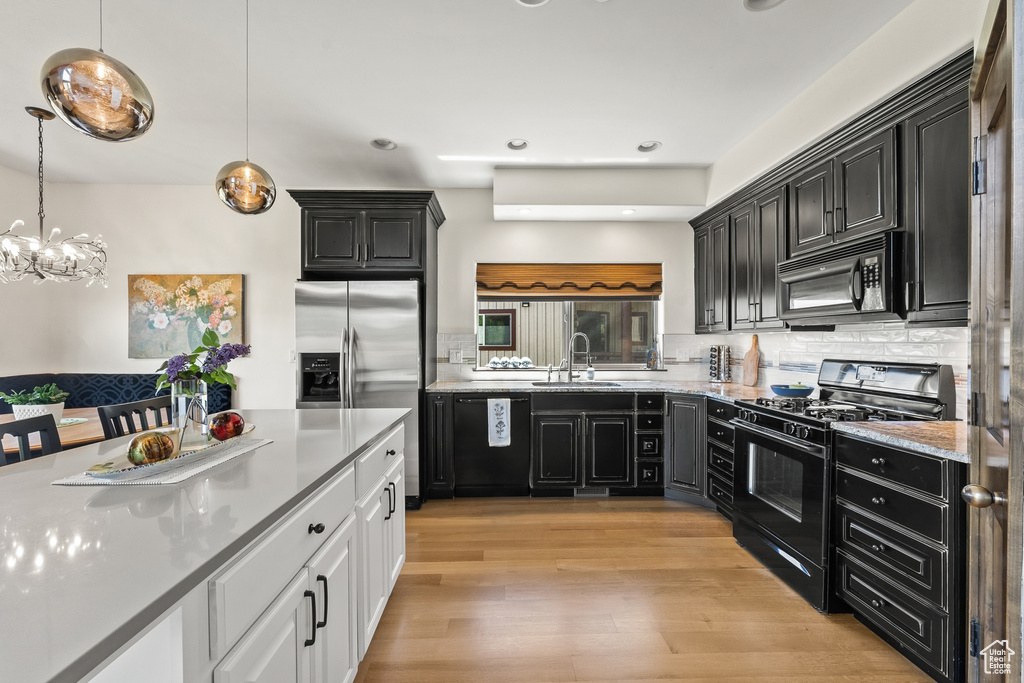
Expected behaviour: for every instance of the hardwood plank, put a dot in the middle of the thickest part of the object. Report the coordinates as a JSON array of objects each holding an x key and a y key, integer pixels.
[{"x": 625, "y": 589}]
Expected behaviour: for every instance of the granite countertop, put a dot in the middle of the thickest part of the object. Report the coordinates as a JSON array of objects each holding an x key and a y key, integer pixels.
[
  {"x": 87, "y": 568},
  {"x": 726, "y": 391},
  {"x": 947, "y": 439}
]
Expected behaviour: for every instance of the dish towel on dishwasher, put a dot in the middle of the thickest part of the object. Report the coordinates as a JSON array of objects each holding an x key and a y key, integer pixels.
[{"x": 499, "y": 432}]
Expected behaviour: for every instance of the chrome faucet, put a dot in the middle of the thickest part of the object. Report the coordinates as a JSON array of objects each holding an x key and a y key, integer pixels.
[
  {"x": 573, "y": 352},
  {"x": 558, "y": 370}
]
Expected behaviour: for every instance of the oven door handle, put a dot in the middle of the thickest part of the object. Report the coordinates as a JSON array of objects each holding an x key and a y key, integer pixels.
[{"x": 809, "y": 448}]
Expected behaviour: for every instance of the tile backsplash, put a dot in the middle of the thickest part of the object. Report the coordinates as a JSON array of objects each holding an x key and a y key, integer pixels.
[{"x": 786, "y": 356}]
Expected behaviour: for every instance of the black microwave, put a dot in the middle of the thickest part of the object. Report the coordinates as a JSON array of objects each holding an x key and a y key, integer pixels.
[{"x": 847, "y": 283}]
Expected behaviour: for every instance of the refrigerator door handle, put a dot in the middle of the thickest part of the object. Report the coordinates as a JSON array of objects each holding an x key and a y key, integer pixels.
[
  {"x": 350, "y": 371},
  {"x": 344, "y": 369}
]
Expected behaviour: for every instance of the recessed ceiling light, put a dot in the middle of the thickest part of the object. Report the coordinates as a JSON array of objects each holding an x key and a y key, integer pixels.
[
  {"x": 628, "y": 212},
  {"x": 517, "y": 144},
  {"x": 532, "y": 3},
  {"x": 759, "y": 5},
  {"x": 648, "y": 146},
  {"x": 383, "y": 143},
  {"x": 524, "y": 211}
]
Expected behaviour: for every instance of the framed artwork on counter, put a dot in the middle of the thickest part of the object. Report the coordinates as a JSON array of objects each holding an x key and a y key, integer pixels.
[{"x": 168, "y": 314}]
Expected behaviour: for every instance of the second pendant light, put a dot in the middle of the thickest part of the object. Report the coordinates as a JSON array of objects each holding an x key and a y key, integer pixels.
[{"x": 243, "y": 186}]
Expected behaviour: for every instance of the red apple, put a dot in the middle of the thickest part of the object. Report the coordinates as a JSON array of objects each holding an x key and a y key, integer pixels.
[{"x": 225, "y": 425}]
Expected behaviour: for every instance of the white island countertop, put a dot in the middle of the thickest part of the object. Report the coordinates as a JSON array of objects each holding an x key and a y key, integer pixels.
[{"x": 87, "y": 568}]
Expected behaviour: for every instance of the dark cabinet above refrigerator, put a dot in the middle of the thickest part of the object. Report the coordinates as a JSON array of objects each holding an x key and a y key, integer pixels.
[{"x": 367, "y": 234}]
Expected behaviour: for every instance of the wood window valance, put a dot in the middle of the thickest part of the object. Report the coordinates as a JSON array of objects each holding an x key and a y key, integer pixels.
[{"x": 564, "y": 280}]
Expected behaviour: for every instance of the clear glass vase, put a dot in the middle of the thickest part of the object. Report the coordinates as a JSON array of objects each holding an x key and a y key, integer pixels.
[{"x": 189, "y": 412}]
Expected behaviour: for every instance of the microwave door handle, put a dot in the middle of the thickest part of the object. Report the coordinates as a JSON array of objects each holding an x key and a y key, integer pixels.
[{"x": 856, "y": 286}]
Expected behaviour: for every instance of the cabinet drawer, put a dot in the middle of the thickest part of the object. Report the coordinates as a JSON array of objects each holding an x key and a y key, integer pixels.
[
  {"x": 242, "y": 590},
  {"x": 719, "y": 490},
  {"x": 720, "y": 432},
  {"x": 917, "y": 471},
  {"x": 721, "y": 410},
  {"x": 650, "y": 402},
  {"x": 648, "y": 445},
  {"x": 921, "y": 516},
  {"x": 720, "y": 461},
  {"x": 648, "y": 473},
  {"x": 650, "y": 423},
  {"x": 896, "y": 556},
  {"x": 372, "y": 464},
  {"x": 556, "y": 401},
  {"x": 920, "y": 628}
]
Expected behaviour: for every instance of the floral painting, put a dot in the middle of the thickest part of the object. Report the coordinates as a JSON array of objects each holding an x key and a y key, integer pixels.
[{"x": 168, "y": 314}]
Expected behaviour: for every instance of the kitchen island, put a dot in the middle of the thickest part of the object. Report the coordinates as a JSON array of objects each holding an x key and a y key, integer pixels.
[{"x": 88, "y": 569}]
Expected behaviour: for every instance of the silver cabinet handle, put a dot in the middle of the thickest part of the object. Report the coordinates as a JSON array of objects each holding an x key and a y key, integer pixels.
[{"x": 878, "y": 461}]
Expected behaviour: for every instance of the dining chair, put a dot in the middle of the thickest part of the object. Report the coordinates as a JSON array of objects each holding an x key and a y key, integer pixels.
[
  {"x": 118, "y": 420},
  {"x": 44, "y": 425}
]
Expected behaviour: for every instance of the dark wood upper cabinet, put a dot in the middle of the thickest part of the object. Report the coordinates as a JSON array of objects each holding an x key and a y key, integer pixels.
[
  {"x": 866, "y": 187},
  {"x": 744, "y": 267},
  {"x": 810, "y": 215},
  {"x": 758, "y": 243},
  {"x": 937, "y": 171},
  {"x": 847, "y": 196},
  {"x": 361, "y": 234},
  {"x": 711, "y": 276}
]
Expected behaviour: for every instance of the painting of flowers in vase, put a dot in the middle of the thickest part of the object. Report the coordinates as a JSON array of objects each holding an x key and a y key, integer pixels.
[{"x": 168, "y": 314}]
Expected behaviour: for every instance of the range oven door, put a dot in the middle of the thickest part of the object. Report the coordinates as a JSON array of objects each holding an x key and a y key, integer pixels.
[
  {"x": 844, "y": 284},
  {"x": 780, "y": 488}
]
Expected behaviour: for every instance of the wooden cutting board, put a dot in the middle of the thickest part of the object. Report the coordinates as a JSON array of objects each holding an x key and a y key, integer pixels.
[{"x": 750, "y": 362}]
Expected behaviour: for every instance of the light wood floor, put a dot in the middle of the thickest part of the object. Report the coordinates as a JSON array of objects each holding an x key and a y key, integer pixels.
[{"x": 528, "y": 590}]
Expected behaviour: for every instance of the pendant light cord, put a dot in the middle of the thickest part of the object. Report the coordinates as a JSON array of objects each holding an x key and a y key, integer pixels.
[
  {"x": 41, "y": 212},
  {"x": 246, "y": 80},
  {"x": 101, "y": 25}
]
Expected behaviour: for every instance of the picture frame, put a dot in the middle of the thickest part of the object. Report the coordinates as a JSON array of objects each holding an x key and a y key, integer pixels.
[{"x": 168, "y": 313}]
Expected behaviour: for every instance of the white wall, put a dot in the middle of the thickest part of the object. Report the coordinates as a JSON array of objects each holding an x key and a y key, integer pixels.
[
  {"x": 67, "y": 327},
  {"x": 470, "y": 235},
  {"x": 923, "y": 36}
]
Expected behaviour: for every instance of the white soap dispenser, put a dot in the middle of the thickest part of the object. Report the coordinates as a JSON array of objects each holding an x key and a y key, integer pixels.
[{"x": 590, "y": 372}]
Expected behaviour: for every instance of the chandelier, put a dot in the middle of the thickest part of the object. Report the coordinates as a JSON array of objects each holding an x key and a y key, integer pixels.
[
  {"x": 243, "y": 186},
  {"x": 61, "y": 260}
]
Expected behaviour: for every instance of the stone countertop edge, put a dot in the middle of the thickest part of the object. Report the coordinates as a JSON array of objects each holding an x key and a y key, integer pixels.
[
  {"x": 89, "y": 656},
  {"x": 942, "y": 439},
  {"x": 725, "y": 391}
]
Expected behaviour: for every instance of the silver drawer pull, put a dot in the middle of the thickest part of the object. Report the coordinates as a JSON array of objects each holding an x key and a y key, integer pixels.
[
  {"x": 878, "y": 500},
  {"x": 879, "y": 548},
  {"x": 878, "y": 461},
  {"x": 877, "y": 604}
]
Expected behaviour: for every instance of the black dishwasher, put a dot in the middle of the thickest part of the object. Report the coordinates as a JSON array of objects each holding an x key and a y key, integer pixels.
[{"x": 483, "y": 470}]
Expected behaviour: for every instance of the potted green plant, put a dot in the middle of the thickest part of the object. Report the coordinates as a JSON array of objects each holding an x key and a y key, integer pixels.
[{"x": 48, "y": 398}]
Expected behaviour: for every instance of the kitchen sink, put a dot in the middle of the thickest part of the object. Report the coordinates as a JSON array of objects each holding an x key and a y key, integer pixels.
[{"x": 577, "y": 385}]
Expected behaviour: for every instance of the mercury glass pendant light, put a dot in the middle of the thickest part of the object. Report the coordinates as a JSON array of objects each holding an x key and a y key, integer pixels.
[
  {"x": 60, "y": 260},
  {"x": 244, "y": 186},
  {"x": 96, "y": 94}
]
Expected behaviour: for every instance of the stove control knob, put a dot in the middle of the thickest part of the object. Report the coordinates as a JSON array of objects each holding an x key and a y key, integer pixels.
[
  {"x": 752, "y": 417},
  {"x": 789, "y": 428},
  {"x": 803, "y": 432}
]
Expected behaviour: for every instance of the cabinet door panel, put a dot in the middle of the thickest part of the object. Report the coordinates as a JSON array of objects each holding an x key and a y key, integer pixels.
[
  {"x": 373, "y": 592},
  {"x": 393, "y": 238},
  {"x": 770, "y": 236},
  {"x": 719, "y": 274},
  {"x": 556, "y": 456},
  {"x": 938, "y": 211},
  {"x": 701, "y": 276},
  {"x": 273, "y": 650},
  {"x": 332, "y": 240},
  {"x": 333, "y": 573},
  {"x": 396, "y": 524},
  {"x": 866, "y": 187},
  {"x": 687, "y": 445},
  {"x": 810, "y": 214},
  {"x": 744, "y": 268},
  {"x": 609, "y": 460},
  {"x": 440, "y": 446}
]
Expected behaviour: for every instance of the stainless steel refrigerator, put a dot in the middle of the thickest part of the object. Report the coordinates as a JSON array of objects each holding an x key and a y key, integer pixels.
[{"x": 360, "y": 344}]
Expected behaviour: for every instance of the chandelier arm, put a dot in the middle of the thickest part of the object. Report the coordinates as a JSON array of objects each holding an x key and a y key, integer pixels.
[{"x": 42, "y": 213}]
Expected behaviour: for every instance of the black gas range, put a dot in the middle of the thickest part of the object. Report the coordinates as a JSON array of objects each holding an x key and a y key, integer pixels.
[{"x": 781, "y": 489}]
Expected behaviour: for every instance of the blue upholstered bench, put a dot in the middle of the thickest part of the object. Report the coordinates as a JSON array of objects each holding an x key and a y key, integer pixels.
[{"x": 94, "y": 389}]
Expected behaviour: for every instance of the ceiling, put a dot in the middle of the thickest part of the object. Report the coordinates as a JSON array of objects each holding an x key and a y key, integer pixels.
[{"x": 584, "y": 81}]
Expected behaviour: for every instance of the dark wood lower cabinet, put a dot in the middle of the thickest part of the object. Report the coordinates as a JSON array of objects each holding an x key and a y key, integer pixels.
[
  {"x": 440, "y": 452},
  {"x": 685, "y": 455},
  {"x": 900, "y": 533},
  {"x": 609, "y": 451},
  {"x": 557, "y": 446}
]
